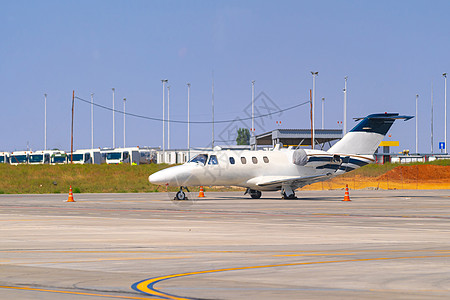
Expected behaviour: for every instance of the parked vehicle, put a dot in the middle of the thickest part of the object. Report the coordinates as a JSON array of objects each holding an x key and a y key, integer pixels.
[
  {"x": 19, "y": 157},
  {"x": 86, "y": 156},
  {"x": 58, "y": 157},
  {"x": 122, "y": 156},
  {"x": 4, "y": 157},
  {"x": 147, "y": 155},
  {"x": 39, "y": 157}
]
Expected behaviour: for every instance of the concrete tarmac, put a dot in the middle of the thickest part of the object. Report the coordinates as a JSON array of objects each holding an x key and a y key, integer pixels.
[{"x": 381, "y": 245}]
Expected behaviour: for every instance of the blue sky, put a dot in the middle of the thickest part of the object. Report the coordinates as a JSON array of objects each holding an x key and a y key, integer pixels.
[{"x": 390, "y": 51}]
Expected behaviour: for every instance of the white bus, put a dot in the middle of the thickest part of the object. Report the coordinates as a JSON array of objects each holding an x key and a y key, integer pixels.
[
  {"x": 4, "y": 157},
  {"x": 19, "y": 157},
  {"x": 58, "y": 157},
  {"x": 122, "y": 156},
  {"x": 86, "y": 156},
  {"x": 39, "y": 158}
]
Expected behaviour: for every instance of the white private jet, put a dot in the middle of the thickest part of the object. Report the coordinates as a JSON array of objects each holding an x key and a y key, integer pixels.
[{"x": 283, "y": 169}]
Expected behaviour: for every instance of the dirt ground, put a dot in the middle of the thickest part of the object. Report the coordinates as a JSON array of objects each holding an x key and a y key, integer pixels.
[{"x": 402, "y": 177}]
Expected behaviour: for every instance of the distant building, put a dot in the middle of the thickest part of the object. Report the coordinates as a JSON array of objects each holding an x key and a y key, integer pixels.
[{"x": 296, "y": 137}]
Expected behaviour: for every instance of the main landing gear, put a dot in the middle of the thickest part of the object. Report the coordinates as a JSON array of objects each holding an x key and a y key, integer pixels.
[
  {"x": 253, "y": 193},
  {"x": 181, "y": 195},
  {"x": 288, "y": 193}
]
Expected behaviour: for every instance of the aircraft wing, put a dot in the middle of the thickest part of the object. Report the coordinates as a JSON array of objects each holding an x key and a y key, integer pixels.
[{"x": 297, "y": 181}]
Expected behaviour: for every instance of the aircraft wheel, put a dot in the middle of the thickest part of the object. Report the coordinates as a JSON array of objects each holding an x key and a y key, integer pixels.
[
  {"x": 291, "y": 196},
  {"x": 180, "y": 196},
  {"x": 255, "y": 194}
]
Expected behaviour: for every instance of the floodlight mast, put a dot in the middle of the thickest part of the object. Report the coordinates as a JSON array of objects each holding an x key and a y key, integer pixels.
[
  {"x": 445, "y": 112},
  {"x": 323, "y": 108},
  {"x": 344, "y": 131},
  {"x": 92, "y": 120},
  {"x": 253, "y": 108},
  {"x": 124, "y": 114},
  {"x": 45, "y": 121},
  {"x": 113, "y": 127},
  {"x": 188, "y": 117},
  {"x": 212, "y": 96},
  {"x": 164, "y": 81},
  {"x": 168, "y": 117},
  {"x": 313, "y": 142},
  {"x": 417, "y": 123},
  {"x": 431, "y": 117}
]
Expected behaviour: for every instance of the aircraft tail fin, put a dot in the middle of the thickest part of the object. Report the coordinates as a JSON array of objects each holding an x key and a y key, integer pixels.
[{"x": 365, "y": 137}]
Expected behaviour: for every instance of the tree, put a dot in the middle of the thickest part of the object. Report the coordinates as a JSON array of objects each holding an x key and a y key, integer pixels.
[{"x": 243, "y": 136}]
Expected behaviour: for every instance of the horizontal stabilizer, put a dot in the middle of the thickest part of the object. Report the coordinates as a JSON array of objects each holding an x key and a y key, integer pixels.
[{"x": 378, "y": 123}]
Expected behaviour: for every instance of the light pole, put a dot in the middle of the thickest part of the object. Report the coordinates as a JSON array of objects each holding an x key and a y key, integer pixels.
[
  {"x": 188, "y": 129},
  {"x": 253, "y": 108},
  {"x": 323, "y": 108},
  {"x": 92, "y": 120},
  {"x": 344, "y": 131},
  {"x": 164, "y": 81},
  {"x": 313, "y": 142},
  {"x": 124, "y": 114},
  {"x": 431, "y": 117},
  {"x": 114, "y": 134},
  {"x": 417, "y": 123},
  {"x": 168, "y": 117},
  {"x": 212, "y": 96},
  {"x": 445, "y": 112},
  {"x": 45, "y": 121}
]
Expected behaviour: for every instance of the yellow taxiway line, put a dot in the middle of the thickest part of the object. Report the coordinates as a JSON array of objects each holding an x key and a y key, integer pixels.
[
  {"x": 74, "y": 293},
  {"x": 147, "y": 286}
]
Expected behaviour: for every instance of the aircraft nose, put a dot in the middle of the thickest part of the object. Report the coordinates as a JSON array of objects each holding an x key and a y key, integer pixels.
[
  {"x": 174, "y": 176},
  {"x": 159, "y": 178}
]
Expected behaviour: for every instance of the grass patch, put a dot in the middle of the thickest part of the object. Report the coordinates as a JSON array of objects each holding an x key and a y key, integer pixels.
[{"x": 45, "y": 179}]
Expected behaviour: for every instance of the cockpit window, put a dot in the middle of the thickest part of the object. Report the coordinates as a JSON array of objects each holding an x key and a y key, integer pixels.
[
  {"x": 201, "y": 158},
  {"x": 213, "y": 160}
]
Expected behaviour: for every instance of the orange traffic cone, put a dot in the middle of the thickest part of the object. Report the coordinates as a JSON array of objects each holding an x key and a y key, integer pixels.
[
  {"x": 70, "y": 195},
  {"x": 201, "y": 194},
  {"x": 347, "y": 195}
]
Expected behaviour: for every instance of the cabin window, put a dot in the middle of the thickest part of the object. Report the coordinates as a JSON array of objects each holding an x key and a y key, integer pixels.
[
  {"x": 243, "y": 160},
  {"x": 266, "y": 159},
  {"x": 201, "y": 158},
  {"x": 213, "y": 160},
  {"x": 232, "y": 160},
  {"x": 125, "y": 155},
  {"x": 254, "y": 160}
]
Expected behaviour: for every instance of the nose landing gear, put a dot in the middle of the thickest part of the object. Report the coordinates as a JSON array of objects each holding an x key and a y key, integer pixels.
[
  {"x": 182, "y": 198},
  {"x": 181, "y": 195}
]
